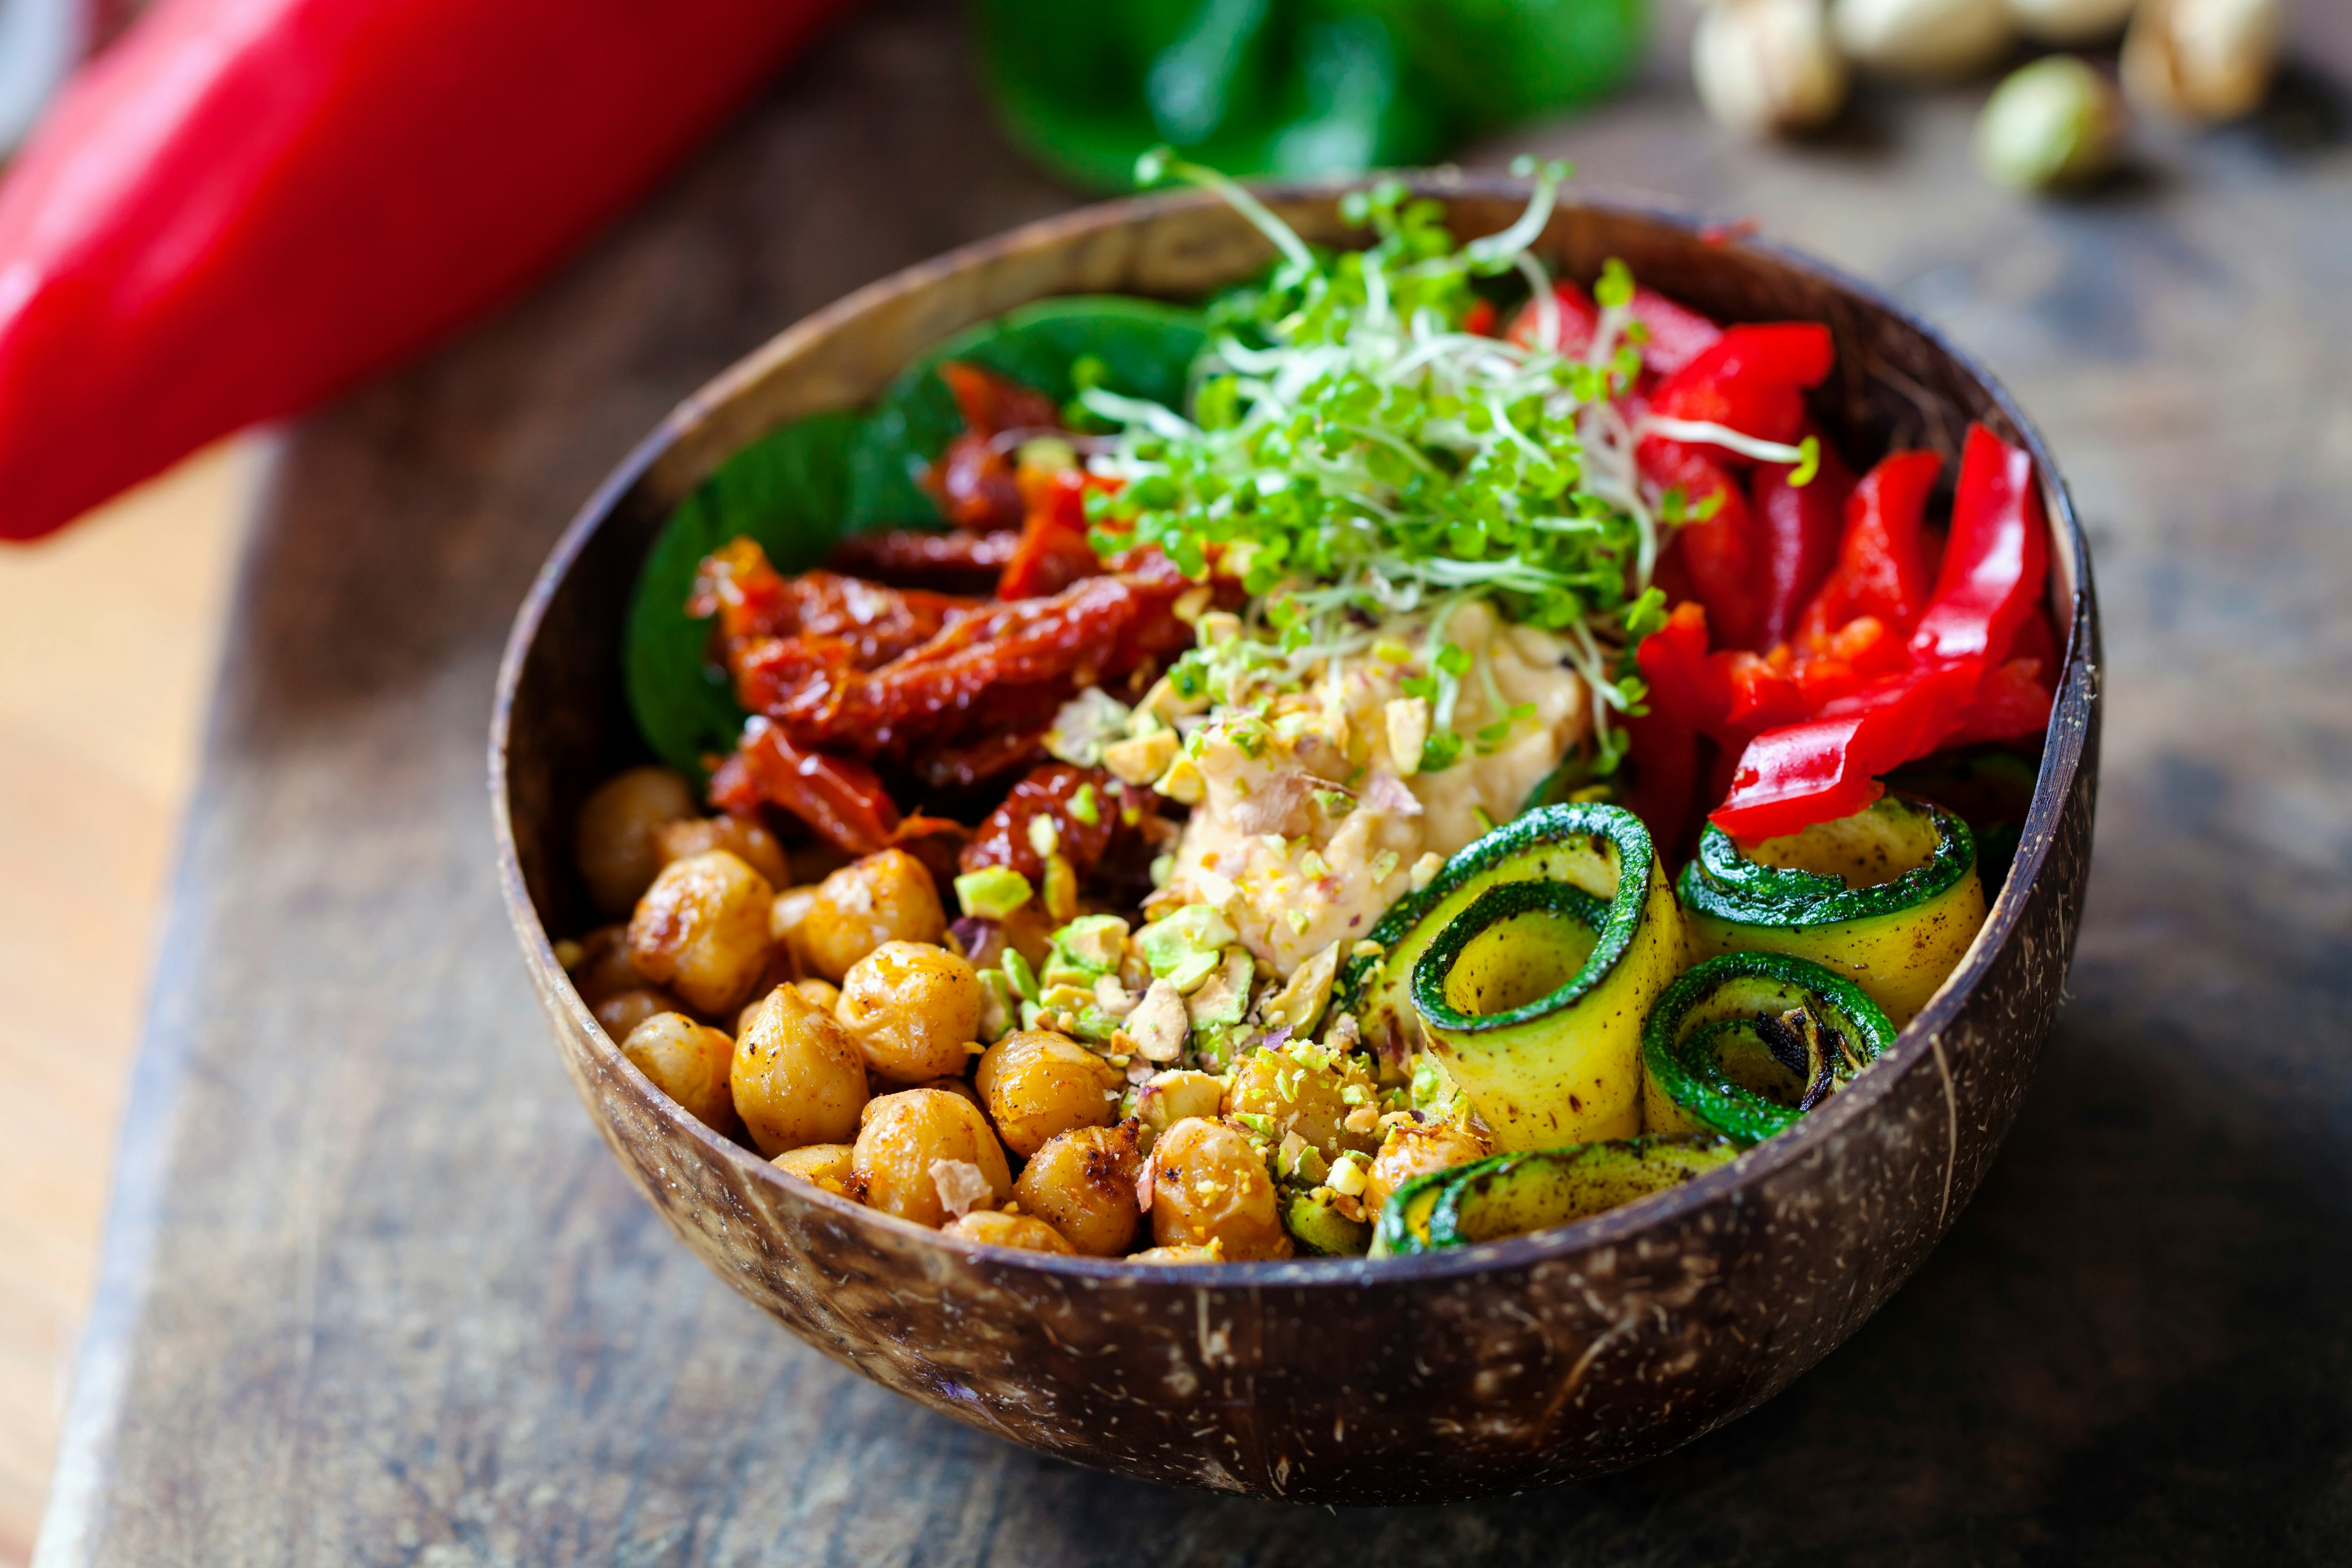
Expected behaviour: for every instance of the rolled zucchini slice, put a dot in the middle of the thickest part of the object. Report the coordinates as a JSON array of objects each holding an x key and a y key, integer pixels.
[
  {"x": 1526, "y": 968},
  {"x": 1512, "y": 1194},
  {"x": 1888, "y": 898},
  {"x": 1745, "y": 1043}
]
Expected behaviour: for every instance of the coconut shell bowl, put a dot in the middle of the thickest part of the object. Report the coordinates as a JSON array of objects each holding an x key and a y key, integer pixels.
[{"x": 1487, "y": 1369}]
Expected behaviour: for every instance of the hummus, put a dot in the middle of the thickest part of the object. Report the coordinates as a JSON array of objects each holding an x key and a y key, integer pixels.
[{"x": 1310, "y": 823}]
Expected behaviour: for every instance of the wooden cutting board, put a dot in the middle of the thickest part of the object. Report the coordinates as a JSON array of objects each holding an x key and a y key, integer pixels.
[{"x": 375, "y": 1294}]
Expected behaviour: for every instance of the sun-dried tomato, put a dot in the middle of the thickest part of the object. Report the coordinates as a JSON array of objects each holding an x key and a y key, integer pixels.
[
  {"x": 752, "y": 603},
  {"x": 973, "y": 481},
  {"x": 961, "y": 564},
  {"x": 1098, "y": 823}
]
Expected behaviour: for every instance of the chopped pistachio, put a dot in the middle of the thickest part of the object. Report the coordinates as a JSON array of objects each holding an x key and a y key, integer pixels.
[
  {"x": 1139, "y": 759},
  {"x": 1061, "y": 887},
  {"x": 1159, "y": 1024},
  {"x": 992, "y": 893},
  {"x": 1183, "y": 782},
  {"x": 1407, "y": 720},
  {"x": 1023, "y": 978},
  {"x": 1045, "y": 834}
]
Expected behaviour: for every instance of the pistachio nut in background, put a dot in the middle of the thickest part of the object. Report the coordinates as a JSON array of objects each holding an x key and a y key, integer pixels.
[
  {"x": 1289, "y": 88},
  {"x": 2056, "y": 123},
  {"x": 1768, "y": 67},
  {"x": 2202, "y": 60}
]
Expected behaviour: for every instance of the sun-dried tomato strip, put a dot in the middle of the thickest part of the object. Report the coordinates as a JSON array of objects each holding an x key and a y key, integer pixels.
[{"x": 963, "y": 564}]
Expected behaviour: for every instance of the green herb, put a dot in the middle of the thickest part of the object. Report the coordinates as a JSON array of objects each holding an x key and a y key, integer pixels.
[{"x": 1367, "y": 460}]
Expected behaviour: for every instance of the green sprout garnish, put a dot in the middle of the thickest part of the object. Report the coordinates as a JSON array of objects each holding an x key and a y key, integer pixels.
[{"x": 1375, "y": 463}]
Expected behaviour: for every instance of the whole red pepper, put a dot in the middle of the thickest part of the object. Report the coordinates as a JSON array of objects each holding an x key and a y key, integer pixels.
[{"x": 245, "y": 206}]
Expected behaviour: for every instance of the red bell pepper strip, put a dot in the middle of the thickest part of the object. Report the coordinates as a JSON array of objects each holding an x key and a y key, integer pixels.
[
  {"x": 1716, "y": 554},
  {"x": 245, "y": 206},
  {"x": 1752, "y": 380},
  {"x": 1797, "y": 533},
  {"x": 1989, "y": 591},
  {"x": 1686, "y": 682},
  {"x": 1675, "y": 334},
  {"x": 1827, "y": 767},
  {"x": 1997, "y": 563},
  {"x": 1881, "y": 569},
  {"x": 1678, "y": 334}
]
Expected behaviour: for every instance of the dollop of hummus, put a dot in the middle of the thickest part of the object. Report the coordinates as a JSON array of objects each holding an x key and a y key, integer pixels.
[{"x": 1310, "y": 825}]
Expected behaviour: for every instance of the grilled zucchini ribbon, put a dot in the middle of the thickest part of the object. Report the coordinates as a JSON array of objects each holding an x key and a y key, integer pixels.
[
  {"x": 1745, "y": 1043},
  {"x": 1889, "y": 897},
  {"x": 1509, "y": 1194},
  {"x": 1526, "y": 968}
]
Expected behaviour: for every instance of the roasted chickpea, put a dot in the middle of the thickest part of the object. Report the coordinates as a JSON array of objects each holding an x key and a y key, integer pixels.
[
  {"x": 962, "y": 1086},
  {"x": 824, "y": 993},
  {"x": 912, "y": 1009},
  {"x": 1416, "y": 1150},
  {"x": 702, "y": 930},
  {"x": 825, "y": 1165},
  {"x": 884, "y": 897},
  {"x": 689, "y": 1062},
  {"x": 1082, "y": 1182},
  {"x": 1310, "y": 1092},
  {"x": 993, "y": 1229},
  {"x": 613, "y": 841},
  {"x": 1177, "y": 1255},
  {"x": 625, "y": 1010},
  {"x": 1036, "y": 1083},
  {"x": 604, "y": 967},
  {"x": 925, "y": 1154},
  {"x": 798, "y": 1079},
  {"x": 739, "y": 836},
  {"x": 1209, "y": 1187}
]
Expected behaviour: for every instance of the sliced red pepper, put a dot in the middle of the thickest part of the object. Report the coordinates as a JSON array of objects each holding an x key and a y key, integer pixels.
[
  {"x": 1881, "y": 569},
  {"x": 1578, "y": 317},
  {"x": 1797, "y": 533},
  {"x": 1686, "y": 683},
  {"x": 1752, "y": 380},
  {"x": 1479, "y": 319},
  {"x": 2011, "y": 700},
  {"x": 1661, "y": 776},
  {"x": 1789, "y": 778},
  {"x": 1997, "y": 561},
  {"x": 1678, "y": 334},
  {"x": 1675, "y": 334},
  {"x": 1716, "y": 555}
]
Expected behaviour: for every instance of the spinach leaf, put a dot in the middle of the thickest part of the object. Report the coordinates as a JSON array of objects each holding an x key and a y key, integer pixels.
[
  {"x": 1144, "y": 348},
  {"x": 788, "y": 490}
]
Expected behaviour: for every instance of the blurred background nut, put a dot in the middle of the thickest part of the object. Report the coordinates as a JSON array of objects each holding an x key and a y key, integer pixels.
[
  {"x": 1768, "y": 67},
  {"x": 2202, "y": 59},
  {"x": 2070, "y": 22},
  {"x": 2056, "y": 123},
  {"x": 1925, "y": 39}
]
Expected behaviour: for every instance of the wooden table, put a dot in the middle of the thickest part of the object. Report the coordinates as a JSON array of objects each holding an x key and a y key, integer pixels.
[{"x": 373, "y": 1293}]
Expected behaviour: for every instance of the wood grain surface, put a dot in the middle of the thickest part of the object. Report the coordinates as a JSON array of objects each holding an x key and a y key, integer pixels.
[
  {"x": 375, "y": 1293},
  {"x": 108, "y": 637}
]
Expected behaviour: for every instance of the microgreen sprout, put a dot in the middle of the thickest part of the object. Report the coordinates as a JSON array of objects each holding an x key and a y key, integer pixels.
[{"x": 1366, "y": 466}]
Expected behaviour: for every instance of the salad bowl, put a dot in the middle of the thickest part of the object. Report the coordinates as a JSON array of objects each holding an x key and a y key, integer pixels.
[{"x": 1485, "y": 1369}]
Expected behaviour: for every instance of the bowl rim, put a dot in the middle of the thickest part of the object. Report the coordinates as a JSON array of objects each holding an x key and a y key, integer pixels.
[{"x": 1920, "y": 1040}]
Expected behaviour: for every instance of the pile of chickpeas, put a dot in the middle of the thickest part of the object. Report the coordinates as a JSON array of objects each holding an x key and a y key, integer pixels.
[{"x": 833, "y": 1027}]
